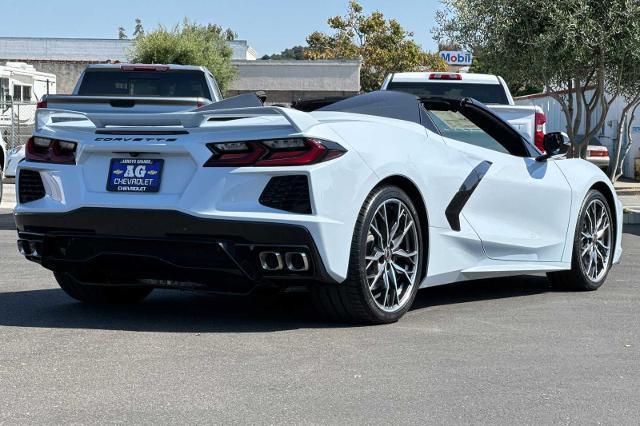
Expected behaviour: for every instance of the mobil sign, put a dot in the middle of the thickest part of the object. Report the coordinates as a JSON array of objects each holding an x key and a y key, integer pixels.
[{"x": 456, "y": 57}]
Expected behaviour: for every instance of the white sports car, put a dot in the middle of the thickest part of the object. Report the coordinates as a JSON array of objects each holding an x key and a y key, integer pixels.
[{"x": 363, "y": 201}]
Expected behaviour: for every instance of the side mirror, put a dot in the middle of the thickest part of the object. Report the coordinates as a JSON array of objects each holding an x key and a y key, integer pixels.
[{"x": 556, "y": 145}]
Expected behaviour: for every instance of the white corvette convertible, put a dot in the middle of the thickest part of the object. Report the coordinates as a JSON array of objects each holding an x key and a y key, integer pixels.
[{"x": 363, "y": 201}]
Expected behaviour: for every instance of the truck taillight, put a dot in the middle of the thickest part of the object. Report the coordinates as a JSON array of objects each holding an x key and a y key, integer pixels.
[
  {"x": 41, "y": 105},
  {"x": 445, "y": 76},
  {"x": 273, "y": 152},
  {"x": 600, "y": 152},
  {"x": 144, "y": 67},
  {"x": 540, "y": 120},
  {"x": 45, "y": 150}
]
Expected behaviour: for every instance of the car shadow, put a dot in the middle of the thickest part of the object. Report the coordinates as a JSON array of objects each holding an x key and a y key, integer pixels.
[
  {"x": 631, "y": 229},
  {"x": 175, "y": 312},
  {"x": 7, "y": 223}
]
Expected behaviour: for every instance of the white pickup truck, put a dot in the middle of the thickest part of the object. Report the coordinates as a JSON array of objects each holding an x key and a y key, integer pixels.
[
  {"x": 138, "y": 88},
  {"x": 489, "y": 89}
]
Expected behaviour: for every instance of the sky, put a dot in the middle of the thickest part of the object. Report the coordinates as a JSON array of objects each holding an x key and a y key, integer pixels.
[{"x": 269, "y": 26}]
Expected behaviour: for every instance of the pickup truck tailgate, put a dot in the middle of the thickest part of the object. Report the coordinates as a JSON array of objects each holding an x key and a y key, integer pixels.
[{"x": 522, "y": 118}]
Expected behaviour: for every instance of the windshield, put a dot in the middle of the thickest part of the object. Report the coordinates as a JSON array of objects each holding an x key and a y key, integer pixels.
[
  {"x": 456, "y": 126},
  {"x": 174, "y": 84},
  {"x": 485, "y": 93}
]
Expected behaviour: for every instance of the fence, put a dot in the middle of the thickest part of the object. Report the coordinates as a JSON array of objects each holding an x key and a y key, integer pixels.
[{"x": 17, "y": 121}]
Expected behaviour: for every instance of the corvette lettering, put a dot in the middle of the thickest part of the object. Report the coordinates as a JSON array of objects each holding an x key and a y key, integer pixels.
[{"x": 136, "y": 139}]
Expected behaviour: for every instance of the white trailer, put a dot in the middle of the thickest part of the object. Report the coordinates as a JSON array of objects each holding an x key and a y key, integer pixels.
[
  {"x": 21, "y": 87},
  {"x": 20, "y": 83}
]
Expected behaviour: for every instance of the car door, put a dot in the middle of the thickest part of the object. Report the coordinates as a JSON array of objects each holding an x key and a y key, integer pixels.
[{"x": 519, "y": 207}]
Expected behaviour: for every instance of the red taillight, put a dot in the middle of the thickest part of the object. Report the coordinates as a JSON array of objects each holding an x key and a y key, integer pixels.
[
  {"x": 45, "y": 150},
  {"x": 41, "y": 104},
  {"x": 541, "y": 119},
  {"x": 602, "y": 152},
  {"x": 450, "y": 76},
  {"x": 144, "y": 67},
  {"x": 273, "y": 152}
]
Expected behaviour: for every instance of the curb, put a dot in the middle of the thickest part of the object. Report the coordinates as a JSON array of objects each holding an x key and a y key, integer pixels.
[
  {"x": 628, "y": 192},
  {"x": 631, "y": 216}
]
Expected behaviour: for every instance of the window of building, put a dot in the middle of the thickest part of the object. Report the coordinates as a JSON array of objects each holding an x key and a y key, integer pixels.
[{"x": 21, "y": 93}]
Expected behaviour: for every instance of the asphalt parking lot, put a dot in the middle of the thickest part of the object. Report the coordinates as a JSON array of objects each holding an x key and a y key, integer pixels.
[{"x": 484, "y": 352}]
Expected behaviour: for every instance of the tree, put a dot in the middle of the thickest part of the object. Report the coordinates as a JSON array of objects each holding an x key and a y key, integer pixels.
[
  {"x": 295, "y": 52},
  {"x": 187, "y": 44},
  {"x": 571, "y": 48},
  {"x": 138, "y": 31},
  {"x": 122, "y": 35},
  {"x": 226, "y": 33},
  {"x": 383, "y": 45}
]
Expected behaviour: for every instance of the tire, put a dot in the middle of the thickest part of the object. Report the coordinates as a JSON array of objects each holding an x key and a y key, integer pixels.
[
  {"x": 352, "y": 300},
  {"x": 588, "y": 273},
  {"x": 100, "y": 294}
]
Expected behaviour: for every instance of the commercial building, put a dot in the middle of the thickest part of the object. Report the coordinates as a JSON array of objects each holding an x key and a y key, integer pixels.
[{"x": 284, "y": 81}]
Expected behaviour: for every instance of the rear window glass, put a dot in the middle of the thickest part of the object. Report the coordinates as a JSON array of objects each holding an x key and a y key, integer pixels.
[
  {"x": 178, "y": 84},
  {"x": 485, "y": 93}
]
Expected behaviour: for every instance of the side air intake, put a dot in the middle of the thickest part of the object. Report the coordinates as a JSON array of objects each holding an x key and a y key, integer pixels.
[
  {"x": 288, "y": 193},
  {"x": 30, "y": 187}
]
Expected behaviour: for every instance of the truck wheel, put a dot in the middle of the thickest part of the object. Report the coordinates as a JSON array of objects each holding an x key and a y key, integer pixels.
[
  {"x": 385, "y": 263},
  {"x": 593, "y": 246},
  {"x": 100, "y": 294}
]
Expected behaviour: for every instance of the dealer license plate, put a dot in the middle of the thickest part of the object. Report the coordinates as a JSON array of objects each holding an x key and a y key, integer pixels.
[{"x": 134, "y": 175}]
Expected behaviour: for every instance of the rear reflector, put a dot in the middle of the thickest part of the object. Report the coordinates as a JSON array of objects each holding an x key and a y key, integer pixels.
[{"x": 440, "y": 76}]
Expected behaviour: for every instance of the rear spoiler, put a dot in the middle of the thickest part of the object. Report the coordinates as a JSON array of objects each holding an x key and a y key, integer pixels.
[{"x": 300, "y": 121}]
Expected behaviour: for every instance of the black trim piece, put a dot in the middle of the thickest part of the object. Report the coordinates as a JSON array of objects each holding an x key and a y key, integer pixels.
[
  {"x": 141, "y": 132},
  {"x": 30, "y": 186},
  {"x": 289, "y": 193},
  {"x": 461, "y": 197},
  {"x": 163, "y": 236}
]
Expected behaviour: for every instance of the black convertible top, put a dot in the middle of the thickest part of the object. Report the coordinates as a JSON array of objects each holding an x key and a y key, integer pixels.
[{"x": 386, "y": 103}]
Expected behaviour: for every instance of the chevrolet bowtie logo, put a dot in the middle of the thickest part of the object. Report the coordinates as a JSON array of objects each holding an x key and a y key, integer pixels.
[{"x": 118, "y": 172}]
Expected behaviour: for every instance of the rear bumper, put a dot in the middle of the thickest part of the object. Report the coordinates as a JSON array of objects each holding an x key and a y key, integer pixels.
[
  {"x": 125, "y": 244},
  {"x": 602, "y": 162}
]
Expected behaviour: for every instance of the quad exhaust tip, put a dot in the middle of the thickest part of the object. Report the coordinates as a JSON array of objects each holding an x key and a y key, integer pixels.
[
  {"x": 273, "y": 261},
  {"x": 28, "y": 248},
  {"x": 296, "y": 261}
]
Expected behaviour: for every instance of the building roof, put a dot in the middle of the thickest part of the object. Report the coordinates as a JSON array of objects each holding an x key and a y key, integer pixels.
[{"x": 85, "y": 49}]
